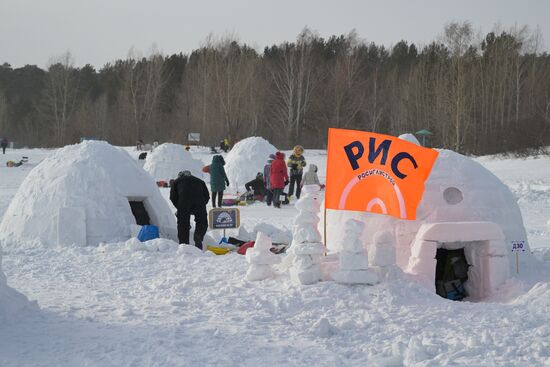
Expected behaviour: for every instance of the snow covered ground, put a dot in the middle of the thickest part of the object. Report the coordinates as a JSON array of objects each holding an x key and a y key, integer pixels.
[{"x": 163, "y": 305}]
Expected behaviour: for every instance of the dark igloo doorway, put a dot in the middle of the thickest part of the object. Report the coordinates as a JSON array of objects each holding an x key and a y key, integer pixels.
[
  {"x": 139, "y": 212},
  {"x": 451, "y": 273}
]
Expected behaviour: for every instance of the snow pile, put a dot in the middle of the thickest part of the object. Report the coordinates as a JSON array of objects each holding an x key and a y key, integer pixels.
[
  {"x": 11, "y": 301},
  {"x": 306, "y": 245},
  {"x": 354, "y": 263},
  {"x": 81, "y": 195},
  {"x": 167, "y": 160},
  {"x": 246, "y": 159},
  {"x": 261, "y": 259}
]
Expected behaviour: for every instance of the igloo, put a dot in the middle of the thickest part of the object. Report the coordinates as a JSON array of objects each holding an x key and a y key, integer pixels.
[
  {"x": 167, "y": 160},
  {"x": 86, "y": 194},
  {"x": 465, "y": 207},
  {"x": 246, "y": 159}
]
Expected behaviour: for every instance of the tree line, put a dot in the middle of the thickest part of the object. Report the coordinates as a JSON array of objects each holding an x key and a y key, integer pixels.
[{"x": 476, "y": 94}]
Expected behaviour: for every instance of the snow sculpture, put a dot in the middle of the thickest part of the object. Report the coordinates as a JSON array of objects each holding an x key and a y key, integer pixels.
[
  {"x": 86, "y": 194},
  {"x": 261, "y": 259},
  {"x": 354, "y": 264},
  {"x": 306, "y": 245},
  {"x": 382, "y": 254}
]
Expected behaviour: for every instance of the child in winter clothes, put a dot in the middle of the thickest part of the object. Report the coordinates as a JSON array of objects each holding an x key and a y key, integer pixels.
[
  {"x": 267, "y": 180},
  {"x": 279, "y": 178},
  {"x": 311, "y": 178},
  {"x": 218, "y": 179},
  {"x": 296, "y": 162}
]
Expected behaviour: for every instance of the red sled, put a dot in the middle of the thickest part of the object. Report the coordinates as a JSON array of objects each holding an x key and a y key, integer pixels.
[
  {"x": 206, "y": 169},
  {"x": 245, "y": 246}
]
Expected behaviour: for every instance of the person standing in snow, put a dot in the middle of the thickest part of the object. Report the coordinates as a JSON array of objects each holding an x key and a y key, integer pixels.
[
  {"x": 218, "y": 180},
  {"x": 310, "y": 177},
  {"x": 267, "y": 180},
  {"x": 296, "y": 162},
  {"x": 279, "y": 178},
  {"x": 190, "y": 195},
  {"x": 4, "y": 144}
]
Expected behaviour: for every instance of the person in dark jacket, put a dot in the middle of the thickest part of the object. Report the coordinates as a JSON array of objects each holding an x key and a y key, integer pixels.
[
  {"x": 278, "y": 177},
  {"x": 267, "y": 180},
  {"x": 256, "y": 187},
  {"x": 190, "y": 195},
  {"x": 296, "y": 163},
  {"x": 4, "y": 144},
  {"x": 218, "y": 179}
]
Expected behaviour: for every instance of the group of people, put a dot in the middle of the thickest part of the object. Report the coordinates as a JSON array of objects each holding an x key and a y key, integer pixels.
[{"x": 190, "y": 195}]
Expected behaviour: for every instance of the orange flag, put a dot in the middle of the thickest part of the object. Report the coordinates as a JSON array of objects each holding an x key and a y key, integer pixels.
[{"x": 375, "y": 173}]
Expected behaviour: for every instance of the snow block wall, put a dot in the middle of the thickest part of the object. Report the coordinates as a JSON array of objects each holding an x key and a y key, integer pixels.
[
  {"x": 246, "y": 159},
  {"x": 167, "y": 160},
  {"x": 458, "y": 190},
  {"x": 80, "y": 195}
]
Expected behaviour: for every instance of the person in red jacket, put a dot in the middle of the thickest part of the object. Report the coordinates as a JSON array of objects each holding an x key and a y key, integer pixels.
[{"x": 279, "y": 177}]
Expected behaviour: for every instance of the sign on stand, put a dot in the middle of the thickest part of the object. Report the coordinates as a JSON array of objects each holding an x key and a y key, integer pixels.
[
  {"x": 194, "y": 137},
  {"x": 224, "y": 218},
  {"x": 517, "y": 247}
]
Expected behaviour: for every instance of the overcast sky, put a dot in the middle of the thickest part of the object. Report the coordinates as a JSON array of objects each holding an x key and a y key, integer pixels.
[{"x": 99, "y": 31}]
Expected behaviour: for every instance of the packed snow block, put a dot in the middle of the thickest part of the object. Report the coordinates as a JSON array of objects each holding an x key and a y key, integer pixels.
[
  {"x": 253, "y": 256},
  {"x": 314, "y": 248},
  {"x": 425, "y": 266},
  {"x": 382, "y": 251},
  {"x": 71, "y": 226},
  {"x": 424, "y": 249},
  {"x": 307, "y": 218},
  {"x": 498, "y": 271},
  {"x": 258, "y": 272},
  {"x": 351, "y": 261},
  {"x": 495, "y": 248},
  {"x": 306, "y": 233},
  {"x": 355, "y": 277},
  {"x": 307, "y": 276}
]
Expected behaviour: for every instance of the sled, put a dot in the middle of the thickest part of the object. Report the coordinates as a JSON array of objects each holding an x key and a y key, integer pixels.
[{"x": 218, "y": 250}]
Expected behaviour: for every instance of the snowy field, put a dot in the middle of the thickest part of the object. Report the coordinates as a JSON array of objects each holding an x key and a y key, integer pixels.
[{"x": 128, "y": 304}]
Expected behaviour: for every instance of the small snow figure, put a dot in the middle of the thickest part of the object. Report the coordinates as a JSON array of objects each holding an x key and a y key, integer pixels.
[
  {"x": 353, "y": 261},
  {"x": 261, "y": 259},
  {"x": 382, "y": 254},
  {"x": 306, "y": 245}
]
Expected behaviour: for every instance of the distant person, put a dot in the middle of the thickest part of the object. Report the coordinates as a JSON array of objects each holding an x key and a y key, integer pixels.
[
  {"x": 310, "y": 177},
  {"x": 256, "y": 187},
  {"x": 139, "y": 144},
  {"x": 267, "y": 180},
  {"x": 189, "y": 195},
  {"x": 279, "y": 178},
  {"x": 296, "y": 163},
  {"x": 218, "y": 180},
  {"x": 223, "y": 146},
  {"x": 4, "y": 144}
]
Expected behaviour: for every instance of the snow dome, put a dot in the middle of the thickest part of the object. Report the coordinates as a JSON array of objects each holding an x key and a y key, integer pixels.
[
  {"x": 247, "y": 158},
  {"x": 464, "y": 206},
  {"x": 86, "y": 194},
  {"x": 167, "y": 160}
]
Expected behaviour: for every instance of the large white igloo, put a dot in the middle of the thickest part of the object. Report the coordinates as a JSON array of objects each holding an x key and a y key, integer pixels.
[
  {"x": 464, "y": 206},
  {"x": 246, "y": 159},
  {"x": 86, "y": 194},
  {"x": 167, "y": 160}
]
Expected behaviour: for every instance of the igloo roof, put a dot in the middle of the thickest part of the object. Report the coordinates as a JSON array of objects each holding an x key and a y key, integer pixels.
[
  {"x": 247, "y": 158},
  {"x": 83, "y": 188},
  {"x": 167, "y": 160}
]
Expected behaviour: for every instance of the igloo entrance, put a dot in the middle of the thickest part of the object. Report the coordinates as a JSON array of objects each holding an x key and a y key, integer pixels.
[
  {"x": 483, "y": 248},
  {"x": 451, "y": 273}
]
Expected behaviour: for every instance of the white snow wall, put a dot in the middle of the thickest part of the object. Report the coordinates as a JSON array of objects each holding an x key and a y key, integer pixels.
[{"x": 80, "y": 194}]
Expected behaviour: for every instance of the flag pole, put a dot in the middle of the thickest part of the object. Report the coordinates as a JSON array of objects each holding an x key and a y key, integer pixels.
[{"x": 325, "y": 230}]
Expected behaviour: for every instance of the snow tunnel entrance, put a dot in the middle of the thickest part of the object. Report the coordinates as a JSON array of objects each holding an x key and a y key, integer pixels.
[
  {"x": 139, "y": 212},
  {"x": 451, "y": 273}
]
